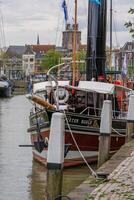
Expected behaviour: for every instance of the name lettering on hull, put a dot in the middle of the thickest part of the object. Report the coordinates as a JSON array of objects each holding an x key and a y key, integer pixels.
[
  {"x": 73, "y": 120},
  {"x": 83, "y": 122}
]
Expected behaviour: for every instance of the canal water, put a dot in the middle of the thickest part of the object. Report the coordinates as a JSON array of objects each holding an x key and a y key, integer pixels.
[{"x": 21, "y": 178}]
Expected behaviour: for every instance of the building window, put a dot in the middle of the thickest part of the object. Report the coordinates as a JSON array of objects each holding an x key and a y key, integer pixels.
[
  {"x": 26, "y": 65},
  {"x": 31, "y": 59},
  {"x": 25, "y": 59},
  {"x": 31, "y": 66},
  {"x": 129, "y": 47}
]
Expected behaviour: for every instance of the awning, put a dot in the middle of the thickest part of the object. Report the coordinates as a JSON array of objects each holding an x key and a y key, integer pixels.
[
  {"x": 98, "y": 87},
  {"x": 42, "y": 86}
]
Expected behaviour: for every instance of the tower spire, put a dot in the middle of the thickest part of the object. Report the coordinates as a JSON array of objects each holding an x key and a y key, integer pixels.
[{"x": 38, "y": 40}]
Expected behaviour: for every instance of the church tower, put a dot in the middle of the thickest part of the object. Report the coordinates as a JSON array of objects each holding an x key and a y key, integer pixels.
[{"x": 67, "y": 37}]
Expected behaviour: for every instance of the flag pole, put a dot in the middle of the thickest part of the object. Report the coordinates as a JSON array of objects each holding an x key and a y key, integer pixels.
[
  {"x": 74, "y": 46},
  {"x": 111, "y": 25}
]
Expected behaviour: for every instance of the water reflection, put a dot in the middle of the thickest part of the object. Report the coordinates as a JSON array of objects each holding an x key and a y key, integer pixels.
[
  {"x": 20, "y": 177},
  {"x": 72, "y": 177},
  {"x": 15, "y": 163},
  {"x": 38, "y": 182}
]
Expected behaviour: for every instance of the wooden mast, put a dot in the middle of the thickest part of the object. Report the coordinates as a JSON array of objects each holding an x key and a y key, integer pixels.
[{"x": 74, "y": 65}]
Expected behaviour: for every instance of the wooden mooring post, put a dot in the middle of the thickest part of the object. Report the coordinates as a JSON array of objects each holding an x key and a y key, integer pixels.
[
  {"x": 55, "y": 157},
  {"x": 130, "y": 119},
  {"x": 105, "y": 132}
]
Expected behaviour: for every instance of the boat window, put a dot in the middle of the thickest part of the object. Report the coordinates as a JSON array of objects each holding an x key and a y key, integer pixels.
[{"x": 41, "y": 119}]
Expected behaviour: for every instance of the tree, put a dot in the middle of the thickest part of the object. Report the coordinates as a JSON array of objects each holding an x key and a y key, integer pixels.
[
  {"x": 130, "y": 24},
  {"x": 81, "y": 56},
  {"x": 130, "y": 71},
  {"x": 50, "y": 59},
  {"x": 4, "y": 57}
]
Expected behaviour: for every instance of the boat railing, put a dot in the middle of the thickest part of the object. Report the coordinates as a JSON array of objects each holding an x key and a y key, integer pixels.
[
  {"x": 97, "y": 112},
  {"x": 55, "y": 67},
  {"x": 63, "y": 71},
  {"x": 91, "y": 111},
  {"x": 119, "y": 114},
  {"x": 52, "y": 78}
]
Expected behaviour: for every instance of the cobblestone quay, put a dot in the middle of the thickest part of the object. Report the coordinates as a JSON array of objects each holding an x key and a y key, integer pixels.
[{"x": 120, "y": 182}]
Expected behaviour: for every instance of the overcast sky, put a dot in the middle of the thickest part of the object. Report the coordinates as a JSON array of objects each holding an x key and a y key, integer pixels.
[{"x": 24, "y": 19}]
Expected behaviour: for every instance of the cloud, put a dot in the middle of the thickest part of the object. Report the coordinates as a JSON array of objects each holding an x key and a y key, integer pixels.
[
  {"x": 23, "y": 20},
  {"x": 120, "y": 16}
]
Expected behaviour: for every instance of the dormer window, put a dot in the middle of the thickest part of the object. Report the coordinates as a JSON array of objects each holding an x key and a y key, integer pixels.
[{"x": 129, "y": 47}]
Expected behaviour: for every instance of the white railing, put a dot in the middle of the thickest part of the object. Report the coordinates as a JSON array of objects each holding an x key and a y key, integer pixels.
[{"x": 97, "y": 112}]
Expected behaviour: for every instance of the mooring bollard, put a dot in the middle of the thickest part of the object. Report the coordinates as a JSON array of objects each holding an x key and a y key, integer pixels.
[
  {"x": 55, "y": 157},
  {"x": 105, "y": 132},
  {"x": 130, "y": 119}
]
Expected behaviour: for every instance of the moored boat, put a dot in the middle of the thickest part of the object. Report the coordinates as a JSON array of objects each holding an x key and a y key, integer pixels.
[
  {"x": 80, "y": 101},
  {"x": 82, "y": 121},
  {"x": 5, "y": 87}
]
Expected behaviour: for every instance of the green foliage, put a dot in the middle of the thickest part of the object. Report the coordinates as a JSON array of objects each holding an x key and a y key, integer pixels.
[
  {"x": 131, "y": 11},
  {"x": 130, "y": 70},
  {"x": 50, "y": 59},
  {"x": 81, "y": 56},
  {"x": 130, "y": 24},
  {"x": 3, "y": 55}
]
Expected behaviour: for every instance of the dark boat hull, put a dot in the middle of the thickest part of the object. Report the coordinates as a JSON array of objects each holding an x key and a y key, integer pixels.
[
  {"x": 5, "y": 92},
  {"x": 85, "y": 130}
]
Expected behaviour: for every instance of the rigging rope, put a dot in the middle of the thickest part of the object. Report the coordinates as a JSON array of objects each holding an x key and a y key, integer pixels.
[
  {"x": 57, "y": 28},
  {"x": 118, "y": 132},
  {"x": 92, "y": 171},
  {"x": 2, "y": 32},
  {"x": 114, "y": 24}
]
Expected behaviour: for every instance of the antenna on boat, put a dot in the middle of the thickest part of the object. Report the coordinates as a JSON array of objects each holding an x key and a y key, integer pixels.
[
  {"x": 111, "y": 25},
  {"x": 111, "y": 35},
  {"x": 74, "y": 65}
]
